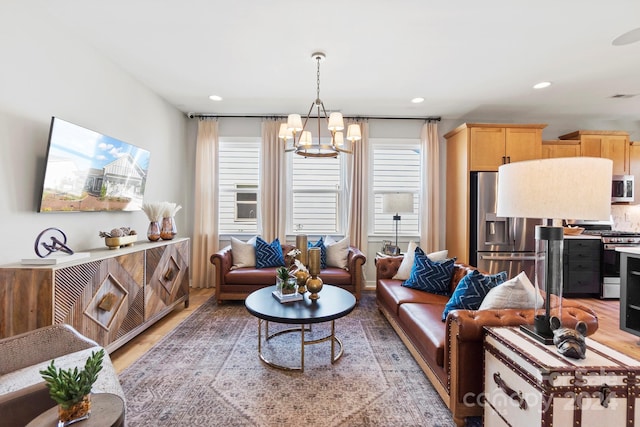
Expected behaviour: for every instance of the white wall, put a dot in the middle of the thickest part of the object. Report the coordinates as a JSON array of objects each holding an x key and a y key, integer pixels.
[{"x": 47, "y": 72}]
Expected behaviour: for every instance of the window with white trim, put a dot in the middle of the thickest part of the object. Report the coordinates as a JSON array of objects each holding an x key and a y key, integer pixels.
[
  {"x": 395, "y": 167},
  {"x": 316, "y": 195},
  {"x": 239, "y": 176}
]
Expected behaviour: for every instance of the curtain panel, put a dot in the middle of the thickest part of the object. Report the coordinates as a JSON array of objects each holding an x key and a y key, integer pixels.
[
  {"x": 430, "y": 191},
  {"x": 205, "y": 229},
  {"x": 272, "y": 195}
]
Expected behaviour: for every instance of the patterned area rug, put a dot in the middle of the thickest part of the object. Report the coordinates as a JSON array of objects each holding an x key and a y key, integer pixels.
[{"x": 206, "y": 372}]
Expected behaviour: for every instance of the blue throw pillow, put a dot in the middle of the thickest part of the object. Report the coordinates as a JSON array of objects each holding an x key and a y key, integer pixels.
[
  {"x": 268, "y": 254},
  {"x": 430, "y": 276},
  {"x": 323, "y": 252},
  {"x": 471, "y": 291}
]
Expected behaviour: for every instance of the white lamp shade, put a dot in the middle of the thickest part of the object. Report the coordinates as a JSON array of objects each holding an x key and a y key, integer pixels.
[
  {"x": 294, "y": 122},
  {"x": 284, "y": 132},
  {"x": 397, "y": 203},
  {"x": 305, "y": 138},
  {"x": 353, "y": 133},
  {"x": 336, "y": 122},
  {"x": 563, "y": 188},
  {"x": 338, "y": 139}
]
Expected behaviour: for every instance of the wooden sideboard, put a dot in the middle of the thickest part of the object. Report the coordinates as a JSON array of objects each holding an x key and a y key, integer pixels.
[{"x": 110, "y": 297}]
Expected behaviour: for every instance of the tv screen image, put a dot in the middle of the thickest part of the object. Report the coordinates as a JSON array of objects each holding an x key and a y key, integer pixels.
[{"x": 87, "y": 171}]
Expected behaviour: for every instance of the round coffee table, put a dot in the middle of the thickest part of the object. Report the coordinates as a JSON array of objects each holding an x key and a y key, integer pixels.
[{"x": 334, "y": 303}]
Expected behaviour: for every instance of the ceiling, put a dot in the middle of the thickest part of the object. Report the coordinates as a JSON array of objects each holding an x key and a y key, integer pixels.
[{"x": 469, "y": 59}]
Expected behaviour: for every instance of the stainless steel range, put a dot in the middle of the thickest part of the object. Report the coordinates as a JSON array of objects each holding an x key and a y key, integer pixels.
[{"x": 610, "y": 265}]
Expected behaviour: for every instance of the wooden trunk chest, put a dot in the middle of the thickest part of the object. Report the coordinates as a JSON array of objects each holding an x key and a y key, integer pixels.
[{"x": 527, "y": 383}]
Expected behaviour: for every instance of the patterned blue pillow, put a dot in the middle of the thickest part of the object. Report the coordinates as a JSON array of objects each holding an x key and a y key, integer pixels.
[
  {"x": 268, "y": 254},
  {"x": 471, "y": 291},
  {"x": 430, "y": 276},
  {"x": 323, "y": 252}
]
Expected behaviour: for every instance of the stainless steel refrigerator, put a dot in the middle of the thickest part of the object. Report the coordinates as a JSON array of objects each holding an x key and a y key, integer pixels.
[{"x": 498, "y": 243}]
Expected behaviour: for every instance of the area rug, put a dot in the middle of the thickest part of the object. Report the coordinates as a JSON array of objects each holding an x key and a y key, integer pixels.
[{"x": 206, "y": 372}]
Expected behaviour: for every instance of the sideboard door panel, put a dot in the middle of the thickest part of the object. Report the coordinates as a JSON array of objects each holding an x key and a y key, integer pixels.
[
  {"x": 102, "y": 306},
  {"x": 168, "y": 279}
]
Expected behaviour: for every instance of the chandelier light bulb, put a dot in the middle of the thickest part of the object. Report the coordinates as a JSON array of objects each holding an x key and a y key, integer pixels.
[
  {"x": 338, "y": 139},
  {"x": 284, "y": 132}
]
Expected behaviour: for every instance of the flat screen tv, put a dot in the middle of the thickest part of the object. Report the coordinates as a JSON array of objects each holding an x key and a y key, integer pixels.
[{"x": 88, "y": 172}]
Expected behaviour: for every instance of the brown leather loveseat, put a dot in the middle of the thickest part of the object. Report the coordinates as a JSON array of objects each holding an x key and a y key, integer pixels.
[
  {"x": 237, "y": 284},
  {"x": 450, "y": 353}
]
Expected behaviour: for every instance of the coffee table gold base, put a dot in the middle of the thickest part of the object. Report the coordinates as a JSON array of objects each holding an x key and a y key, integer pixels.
[{"x": 331, "y": 337}]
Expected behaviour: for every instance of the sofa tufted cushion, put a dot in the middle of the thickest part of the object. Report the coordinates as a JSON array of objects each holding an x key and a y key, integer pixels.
[
  {"x": 430, "y": 276},
  {"x": 268, "y": 254},
  {"x": 471, "y": 291},
  {"x": 407, "y": 261}
]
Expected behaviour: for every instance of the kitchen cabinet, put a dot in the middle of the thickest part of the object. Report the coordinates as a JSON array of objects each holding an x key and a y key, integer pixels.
[
  {"x": 480, "y": 147},
  {"x": 553, "y": 149},
  {"x": 581, "y": 266},
  {"x": 612, "y": 145},
  {"x": 110, "y": 296},
  {"x": 495, "y": 145}
]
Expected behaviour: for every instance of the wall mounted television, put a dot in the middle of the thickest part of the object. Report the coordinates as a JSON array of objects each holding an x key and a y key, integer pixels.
[{"x": 87, "y": 172}]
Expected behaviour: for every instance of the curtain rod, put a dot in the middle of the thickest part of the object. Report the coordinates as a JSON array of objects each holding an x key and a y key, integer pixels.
[{"x": 283, "y": 116}]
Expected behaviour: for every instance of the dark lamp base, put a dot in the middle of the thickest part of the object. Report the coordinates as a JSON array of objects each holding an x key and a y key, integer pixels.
[{"x": 537, "y": 335}]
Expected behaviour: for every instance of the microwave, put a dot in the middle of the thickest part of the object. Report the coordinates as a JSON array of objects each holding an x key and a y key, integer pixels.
[{"x": 622, "y": 188}]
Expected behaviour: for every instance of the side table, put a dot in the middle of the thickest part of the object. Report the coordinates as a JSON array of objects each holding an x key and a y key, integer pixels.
[{"x": 106, "y": 410}]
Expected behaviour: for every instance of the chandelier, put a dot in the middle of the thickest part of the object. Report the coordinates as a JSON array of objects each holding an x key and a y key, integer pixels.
[{"x": 303, "y": 142}]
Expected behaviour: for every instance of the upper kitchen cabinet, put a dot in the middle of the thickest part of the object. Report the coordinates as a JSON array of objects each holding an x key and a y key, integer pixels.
[
  {"x": 491, "y": 145},
  {"x": 607, "y": 144},
  {"x": 556, "y": 148}
]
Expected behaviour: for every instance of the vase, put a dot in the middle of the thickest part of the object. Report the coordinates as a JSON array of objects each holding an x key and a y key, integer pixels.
[
  {"x": 301, "y": 277},
  {"x": 168, "y": 230},
  {"x": 314, "y": 285},
  {"x": 75, "y": 411},
  {"x": 153, "y": 232}
]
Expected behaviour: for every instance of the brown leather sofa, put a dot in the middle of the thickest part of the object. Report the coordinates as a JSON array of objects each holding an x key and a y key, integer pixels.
[
  {"x": 239, "y": 283},
  {"x": 450, "y": 353}
]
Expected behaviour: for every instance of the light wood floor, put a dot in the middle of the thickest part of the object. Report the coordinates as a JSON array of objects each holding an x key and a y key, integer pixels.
[{"x": 608, "y": 333}]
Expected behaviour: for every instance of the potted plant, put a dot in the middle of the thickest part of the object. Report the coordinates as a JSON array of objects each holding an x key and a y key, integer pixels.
[
  {"x": 71, "y": 388},
  {"x": 284, "y": 282}
]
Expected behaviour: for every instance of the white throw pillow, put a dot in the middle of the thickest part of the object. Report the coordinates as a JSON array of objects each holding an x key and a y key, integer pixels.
[
  {"x": 518, "y": 292},
  {"x": 243, "y": 253},
  {"x": 404, "y": 271},
  {"x": 337, "y": 252}
]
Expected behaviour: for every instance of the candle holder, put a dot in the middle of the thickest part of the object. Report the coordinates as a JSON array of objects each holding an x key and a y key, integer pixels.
[{"x": 314, "y": 283}]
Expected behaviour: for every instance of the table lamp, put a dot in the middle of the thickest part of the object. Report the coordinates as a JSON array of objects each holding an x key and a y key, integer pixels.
[
  {"x": 397, "y": 203},
  {"x": 554, "y": 190}
]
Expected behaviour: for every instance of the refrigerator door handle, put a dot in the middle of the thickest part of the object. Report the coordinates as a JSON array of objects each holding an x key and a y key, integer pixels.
[{"x": 507, "y": 257}]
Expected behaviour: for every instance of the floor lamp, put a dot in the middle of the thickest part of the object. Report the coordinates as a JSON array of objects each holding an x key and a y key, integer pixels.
[
  {"x": 397, "y": 203},
  {"x": 553, "y": 189}
]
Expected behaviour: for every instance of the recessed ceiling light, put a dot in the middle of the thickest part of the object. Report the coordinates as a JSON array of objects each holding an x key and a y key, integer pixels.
[
  {"x": 417, "y": 100},
  {"x": 215, "y": 98},
  {"x": 541, "y": 85},
  {"x": 627, "y": 38}
]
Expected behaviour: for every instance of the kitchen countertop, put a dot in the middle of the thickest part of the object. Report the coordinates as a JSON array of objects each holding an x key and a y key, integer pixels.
[
  {"x": 634, "y": 250},
  {"x": 581, "y": 236}
]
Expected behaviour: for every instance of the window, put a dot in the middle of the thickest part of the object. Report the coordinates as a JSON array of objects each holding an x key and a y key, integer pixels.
[
  {"x": 395, "y": 168},
  {"x": 316, "y": 195},
  {"x": 239, "y": 176}
]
